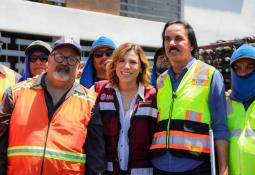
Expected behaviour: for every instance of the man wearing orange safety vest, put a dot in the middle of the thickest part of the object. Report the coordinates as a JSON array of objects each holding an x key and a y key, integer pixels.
[
  {"x": 8, "y": 77},
  {"x": 43, "y": 120}
]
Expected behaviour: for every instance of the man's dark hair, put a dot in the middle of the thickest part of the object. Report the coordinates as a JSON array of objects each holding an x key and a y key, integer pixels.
[
  {"x": 191, "y": 34},
  {"x": 160, "y": 51}
]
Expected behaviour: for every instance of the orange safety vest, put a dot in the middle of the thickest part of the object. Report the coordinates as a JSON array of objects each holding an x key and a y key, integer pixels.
[
  {"x": 6, "y": 80},
  {"x": 38, "y": 145}
]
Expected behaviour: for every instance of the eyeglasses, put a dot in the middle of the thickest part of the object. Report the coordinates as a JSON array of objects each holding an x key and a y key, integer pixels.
[
  {"x": 71, "y": 60},
  {"x": 100, "y": 53},
  {"x": 42, "y": 58}
]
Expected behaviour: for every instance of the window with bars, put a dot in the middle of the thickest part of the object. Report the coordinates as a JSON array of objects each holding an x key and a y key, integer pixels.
[
  {"x": 154, "y": 10},
  {"x": 14, "y": 44}
]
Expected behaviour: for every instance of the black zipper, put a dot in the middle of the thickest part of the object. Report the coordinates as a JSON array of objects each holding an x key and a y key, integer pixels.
[
  {"x": 169, "y": 119},
  {"x": 44, "y": 151}
]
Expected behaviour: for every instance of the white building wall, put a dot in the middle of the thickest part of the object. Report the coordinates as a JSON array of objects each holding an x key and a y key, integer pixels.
[{"x": 42, "y": 19}]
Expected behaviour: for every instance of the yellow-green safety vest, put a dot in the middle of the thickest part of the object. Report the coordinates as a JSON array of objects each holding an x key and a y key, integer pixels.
[
  {"x": 184, "y": 116},
  {"x": 6, "y": 80},
  {"x": 241, "y": 125}
]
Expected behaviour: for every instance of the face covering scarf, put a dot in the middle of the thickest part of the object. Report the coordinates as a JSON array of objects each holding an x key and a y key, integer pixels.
[{"x": 243, "y": 88}]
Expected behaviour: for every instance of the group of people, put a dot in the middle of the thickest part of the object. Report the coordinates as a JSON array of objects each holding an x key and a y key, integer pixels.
[{"x": 123, "y": 120}]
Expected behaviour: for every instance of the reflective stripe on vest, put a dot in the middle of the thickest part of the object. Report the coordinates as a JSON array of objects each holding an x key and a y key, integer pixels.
[
  {"x": 109, "y": 166},
  {"x": 201, "y": 76},
  {"x": 182, "y": 140},
  {"x": 105, "y": 106},
  {"x": 49, "y": 153},
  {"x": 193, "y": 116},
  {"x": 236, "y": 133},
  {"x": 147, "y": 111},
  {"x": 249, "y": 132},
  {"x": 88, "y": 97}
]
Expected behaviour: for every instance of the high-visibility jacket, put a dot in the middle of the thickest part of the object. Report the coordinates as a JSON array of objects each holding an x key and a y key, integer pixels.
[
  {"x": 241, "y": 125},
  {"x": 38, "y": 145},
  {"x": 7, "y": 79},
  {"x": 184, "y": 116},
  {"x": 142, "y": 126}
]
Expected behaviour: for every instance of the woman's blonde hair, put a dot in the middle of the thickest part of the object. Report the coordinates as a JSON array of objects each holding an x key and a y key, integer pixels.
[{"x": 119, "y": 53}]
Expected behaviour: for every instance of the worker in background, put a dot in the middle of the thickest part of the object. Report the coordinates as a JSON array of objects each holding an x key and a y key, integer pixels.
[
  {"x": 160, "y": 65},
  {"x": 8, "y": 77},
  {"x": 95, "y": 67},
  {"x": 191, "y": 101},
  {"x": 241, "y": 110},
  {"x": 36, "y": 61}
]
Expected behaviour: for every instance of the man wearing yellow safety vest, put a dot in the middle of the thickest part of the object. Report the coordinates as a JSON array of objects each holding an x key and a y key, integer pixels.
[
  {"x": 8, "y": 77},
  {"x": 241, "y": 111},
  {"x": 191, "y": 101},
  {"x": 43, "y": 120}
]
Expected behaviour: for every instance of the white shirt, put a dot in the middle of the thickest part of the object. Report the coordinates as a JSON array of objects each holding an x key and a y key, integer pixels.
[{"x": 123, "y": 143}]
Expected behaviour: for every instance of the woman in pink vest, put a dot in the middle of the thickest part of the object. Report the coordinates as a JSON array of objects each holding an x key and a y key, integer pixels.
[{"x": 121, "y": 131}]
